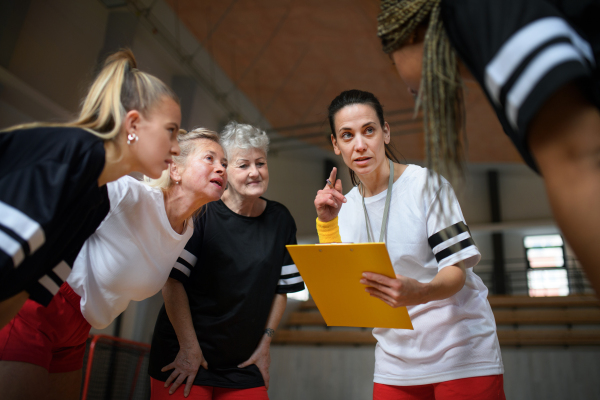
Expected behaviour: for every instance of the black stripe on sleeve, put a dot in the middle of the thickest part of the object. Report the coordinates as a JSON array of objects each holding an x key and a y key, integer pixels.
[
  {"x": 296, "y": 287},
  {"x": 178, "y": 275},
  {"x": 455, "y": 248},
  {"x": 52, "y": 275},
  {"x": 187, "y": 264},
  {"x": 447, "y": 233},
  {"x": 525, "y": 63},
  {"x": 288, "y": 276},
  {"x": 22, "y": 242}
]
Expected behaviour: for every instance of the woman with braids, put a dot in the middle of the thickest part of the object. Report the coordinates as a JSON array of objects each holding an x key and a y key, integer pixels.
[
  {"x": 453, "y": 351},
  {"x": 129, "y": 257},
  {"x": 53, "y": 176},
  {"x": 536, "y": 61}
]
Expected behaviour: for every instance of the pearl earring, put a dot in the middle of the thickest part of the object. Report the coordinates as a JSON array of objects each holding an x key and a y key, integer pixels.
[{"x": 132, "y": 137}]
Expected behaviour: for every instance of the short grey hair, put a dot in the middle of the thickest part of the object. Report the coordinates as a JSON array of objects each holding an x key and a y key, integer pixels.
[{"x": 243, "y": 137}]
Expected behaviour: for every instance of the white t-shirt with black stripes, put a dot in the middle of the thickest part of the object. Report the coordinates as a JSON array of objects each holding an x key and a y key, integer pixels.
[
  {"x": 453, "y": 338},
  {"x": 131, "y": 254}
]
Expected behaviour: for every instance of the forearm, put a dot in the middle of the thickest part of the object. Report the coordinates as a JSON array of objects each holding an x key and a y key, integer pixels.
[
  {"x": 277, "y": 309},
  {"x": 329, "y": 232},
  {"x": 565, "y": 141},
  {"x": 178, "y": 310},
  {"x": 446, "y": 283}
]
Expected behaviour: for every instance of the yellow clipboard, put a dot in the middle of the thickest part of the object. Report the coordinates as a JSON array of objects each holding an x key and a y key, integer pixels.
[{"x": 332, "y": 273}]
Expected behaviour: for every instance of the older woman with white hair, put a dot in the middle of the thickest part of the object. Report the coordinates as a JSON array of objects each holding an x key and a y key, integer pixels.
[{"x": 228, "y": 290}]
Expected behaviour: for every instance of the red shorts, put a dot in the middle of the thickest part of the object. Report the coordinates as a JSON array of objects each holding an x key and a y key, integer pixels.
[
  {"x": 52, "y": 337},
  {"x": 158, "y": 391},
  {"x": 476, "y": 388}
]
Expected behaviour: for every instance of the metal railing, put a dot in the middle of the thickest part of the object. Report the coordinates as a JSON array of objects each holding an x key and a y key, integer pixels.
[
  {"x": 115, "y": 369},
  {"x": 516, "y": 276}
]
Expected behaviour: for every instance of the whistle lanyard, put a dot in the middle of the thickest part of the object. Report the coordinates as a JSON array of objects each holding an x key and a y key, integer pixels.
[{"x": 388, "y": 197}]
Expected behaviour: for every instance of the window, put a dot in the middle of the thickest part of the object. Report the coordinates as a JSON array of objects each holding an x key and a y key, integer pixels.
[{"x": 546, "y": 272}]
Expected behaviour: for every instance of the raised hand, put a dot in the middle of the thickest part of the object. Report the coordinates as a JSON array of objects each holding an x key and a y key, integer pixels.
[{"x": 329, "y": 200}]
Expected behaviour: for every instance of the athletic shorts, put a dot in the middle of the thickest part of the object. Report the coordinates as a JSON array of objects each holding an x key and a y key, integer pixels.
[
  {"x": 158, "y": 391},
  {"x": 52, "y": 337},
  {"x": 476, "y": 388}
]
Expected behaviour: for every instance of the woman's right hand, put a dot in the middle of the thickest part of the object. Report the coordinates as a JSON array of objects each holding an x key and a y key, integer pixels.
[
  {"x": 186, "y": 365},
  {"x": 329, "y": 200}
]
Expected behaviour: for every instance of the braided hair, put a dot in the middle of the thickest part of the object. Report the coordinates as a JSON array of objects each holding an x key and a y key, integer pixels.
[{"x": 440, "y": 92}]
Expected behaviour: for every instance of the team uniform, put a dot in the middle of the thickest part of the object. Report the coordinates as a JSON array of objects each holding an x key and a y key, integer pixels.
[
  {"x": 454, "y": 338},
  {"x": 232, "y": 268},
  {"x": 128, "y": 258},
  {"x": 50, "y": 203},
  {"x": 522, "y": 51}
]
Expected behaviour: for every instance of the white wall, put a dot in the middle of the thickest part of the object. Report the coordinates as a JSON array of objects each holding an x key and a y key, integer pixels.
[{"x": 346, "y": 373}]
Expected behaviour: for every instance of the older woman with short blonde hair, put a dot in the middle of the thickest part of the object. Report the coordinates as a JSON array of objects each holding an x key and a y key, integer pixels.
[{"x": 228, "y": 289}]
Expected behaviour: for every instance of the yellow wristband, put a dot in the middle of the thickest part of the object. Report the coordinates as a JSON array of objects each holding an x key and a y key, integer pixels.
[{"x": 329, "y": 232}]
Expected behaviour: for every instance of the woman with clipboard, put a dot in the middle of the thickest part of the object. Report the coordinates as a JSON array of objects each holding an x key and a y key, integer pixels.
[{"x": 453, "y": 349}]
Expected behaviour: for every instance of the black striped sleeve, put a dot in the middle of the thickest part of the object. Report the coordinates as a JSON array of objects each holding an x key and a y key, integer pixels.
[
  {"x": 290, "y": 280},
  {"x": 48, "y": 285},
  {"x": 183, "y": 266},
  {"x": 20, "y": 235},
  {"x": 445, "y": 243},
  {"x": 536, "y": 60}
]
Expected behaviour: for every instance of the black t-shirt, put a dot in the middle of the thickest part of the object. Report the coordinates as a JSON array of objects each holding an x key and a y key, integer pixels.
[
  {"x": 522, "y": 51},
  {"x": 50, "y": 203},
  {"x": 231, "y": 269}
]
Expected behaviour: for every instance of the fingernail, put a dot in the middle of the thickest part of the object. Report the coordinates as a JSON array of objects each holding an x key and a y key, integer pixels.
[{"x": 365, "y": 275}]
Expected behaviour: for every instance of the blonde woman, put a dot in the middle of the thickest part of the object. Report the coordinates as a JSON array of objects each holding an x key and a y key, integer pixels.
[
  {"x": 53, "y": 176},
  {"x": 128, "y": 258}
]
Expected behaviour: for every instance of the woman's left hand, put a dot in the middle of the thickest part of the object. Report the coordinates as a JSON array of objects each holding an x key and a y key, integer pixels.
[
  {"x": 262, "y": 358},
  {"x": 399, "y": 292},
  {"x": 185, "y": 367}
]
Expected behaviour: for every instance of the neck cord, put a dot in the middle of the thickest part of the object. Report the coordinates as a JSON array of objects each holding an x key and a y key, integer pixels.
[{"x": 388, "y": 197}]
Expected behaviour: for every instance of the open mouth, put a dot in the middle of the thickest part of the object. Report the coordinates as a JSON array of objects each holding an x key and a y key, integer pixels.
[
  {"x": 218, "y": 182},
  {"x": 362, "y": 160}
]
